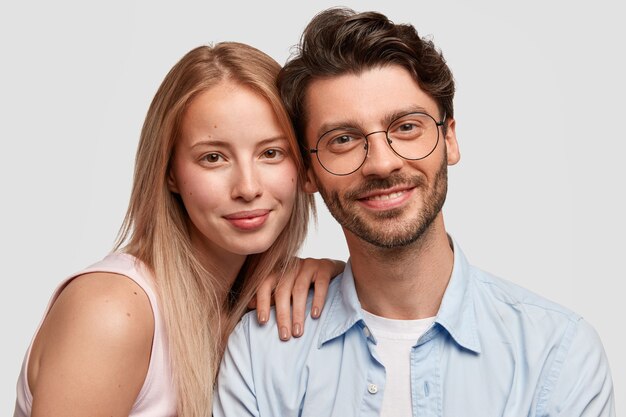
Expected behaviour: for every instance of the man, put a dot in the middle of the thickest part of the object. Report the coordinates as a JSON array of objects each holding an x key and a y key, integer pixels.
[{"x": 410, "y": 327}]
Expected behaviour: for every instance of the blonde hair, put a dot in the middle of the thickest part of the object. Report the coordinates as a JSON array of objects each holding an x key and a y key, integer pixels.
[{"x": 155, "y": 226}]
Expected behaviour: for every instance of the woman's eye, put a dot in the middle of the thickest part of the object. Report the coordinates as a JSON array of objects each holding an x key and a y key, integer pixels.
[
  {"x": 272, "y": 153},
  {"x": 212, "y": 157}
]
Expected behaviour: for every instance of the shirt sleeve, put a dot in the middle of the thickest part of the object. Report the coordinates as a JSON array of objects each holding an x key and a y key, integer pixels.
[
  {"x": 584, "y": 387},
  {"x": 234, "y": 394}
]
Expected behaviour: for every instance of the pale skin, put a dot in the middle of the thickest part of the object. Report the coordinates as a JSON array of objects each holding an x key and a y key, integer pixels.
[
  {"x": 91, "y": 355},
  {"x": 92, "y": 352},
  {"x": 404, "y": 282}
]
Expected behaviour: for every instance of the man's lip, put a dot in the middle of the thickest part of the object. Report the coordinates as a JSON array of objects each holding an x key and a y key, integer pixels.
[
  {"x": 386, "y": 191},
  {"x": 247, "y": 214}
]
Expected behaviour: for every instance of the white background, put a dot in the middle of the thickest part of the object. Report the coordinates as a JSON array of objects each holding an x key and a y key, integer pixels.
[{"x": 538, "y": 196}]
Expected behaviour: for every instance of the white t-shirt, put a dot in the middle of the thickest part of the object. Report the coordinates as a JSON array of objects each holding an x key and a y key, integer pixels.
[{"x": 395, "y": 338}]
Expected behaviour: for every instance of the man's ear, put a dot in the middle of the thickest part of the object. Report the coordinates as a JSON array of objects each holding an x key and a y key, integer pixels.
[
  {"x": 171, "y": 182},
  {"x": 452, "y": 146},
  {"x": 310, "y": 185}
]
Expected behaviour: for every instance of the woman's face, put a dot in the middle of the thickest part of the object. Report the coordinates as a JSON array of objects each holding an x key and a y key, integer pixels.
[{"x": 232, "y": 169}]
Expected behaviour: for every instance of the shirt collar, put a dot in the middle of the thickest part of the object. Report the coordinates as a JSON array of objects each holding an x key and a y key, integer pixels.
[
  {"x": 344, "y": 310},
  {"x": 456, "y": 313}
]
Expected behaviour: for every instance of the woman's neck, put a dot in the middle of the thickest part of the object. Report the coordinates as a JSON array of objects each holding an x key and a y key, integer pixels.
[{"x": 221, "y": 263}]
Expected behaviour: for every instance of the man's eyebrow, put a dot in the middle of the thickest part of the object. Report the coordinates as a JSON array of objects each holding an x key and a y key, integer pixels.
[
  {"x": 386, "y": 120},
  {"x": 390, "y": 117},
  {"x": 327, "y": 127}
]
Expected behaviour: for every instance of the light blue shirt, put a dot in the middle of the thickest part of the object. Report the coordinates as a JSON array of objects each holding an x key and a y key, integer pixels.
[{"x": 495, "y": 349}]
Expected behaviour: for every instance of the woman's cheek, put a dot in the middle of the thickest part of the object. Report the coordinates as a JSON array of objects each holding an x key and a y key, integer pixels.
[
  {"x": 287, "y": 182},
  {"x": 204, "y": 190}
]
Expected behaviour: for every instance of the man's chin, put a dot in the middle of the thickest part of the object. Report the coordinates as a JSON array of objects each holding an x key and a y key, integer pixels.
[
  {"x": 393, "y": 214},
  {"x": 387, "y": 234}
]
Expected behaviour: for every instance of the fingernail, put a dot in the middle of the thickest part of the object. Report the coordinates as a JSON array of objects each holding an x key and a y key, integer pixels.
[
  {"x": 284, "y": 335},
  {"x": 262, "y": 318},
  {"x": 297, "y": 329},
  {"x": 315, "y": 313}
]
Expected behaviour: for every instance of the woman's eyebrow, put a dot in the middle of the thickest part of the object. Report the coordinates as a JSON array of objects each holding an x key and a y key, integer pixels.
[
  {"x": 229, "y": 144},
  {"x": 209, "y": 142},
  {"x": 272, "y": 139}
]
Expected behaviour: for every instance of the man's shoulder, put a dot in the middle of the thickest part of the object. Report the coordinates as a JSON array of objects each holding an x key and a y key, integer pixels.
[
  {"x": 535, "y": 325},
  {"x": 509, "y": 295}
]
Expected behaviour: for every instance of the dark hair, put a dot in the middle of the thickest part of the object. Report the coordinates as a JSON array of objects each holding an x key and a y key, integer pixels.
[{"x": 339, "y": 41}]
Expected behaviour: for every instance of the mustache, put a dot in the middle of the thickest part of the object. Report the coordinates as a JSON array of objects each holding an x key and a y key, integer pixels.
[{"x": 378, "y": 184}]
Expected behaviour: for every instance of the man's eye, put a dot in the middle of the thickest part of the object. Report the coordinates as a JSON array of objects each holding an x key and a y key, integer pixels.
[
  {"x": 342, "y": 140},
  {"x": 407, "y": 127}
]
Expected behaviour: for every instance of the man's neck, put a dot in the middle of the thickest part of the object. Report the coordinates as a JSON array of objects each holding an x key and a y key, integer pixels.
[{"x": 403, "y": 283}]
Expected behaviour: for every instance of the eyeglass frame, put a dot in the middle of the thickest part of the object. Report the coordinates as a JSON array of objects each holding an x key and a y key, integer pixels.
[{"x": 386, "y": 132}]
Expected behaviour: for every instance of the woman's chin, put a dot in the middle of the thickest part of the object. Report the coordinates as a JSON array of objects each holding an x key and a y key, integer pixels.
[{"x": 250, "y": 249}]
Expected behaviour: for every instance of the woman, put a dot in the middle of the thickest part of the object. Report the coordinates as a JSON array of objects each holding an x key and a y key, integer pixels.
[{"x": 216, "y": 207}]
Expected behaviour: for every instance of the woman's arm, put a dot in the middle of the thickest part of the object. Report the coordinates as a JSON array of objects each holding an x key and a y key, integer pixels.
[
  {"x": 291, "y": 293},
  {"x": 92, "y": 352}
]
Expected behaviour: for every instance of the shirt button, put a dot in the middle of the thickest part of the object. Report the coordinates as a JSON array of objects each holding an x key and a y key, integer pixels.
[
  {"x": 366, "y": 332},
  {"x": 372, "y": 388}
]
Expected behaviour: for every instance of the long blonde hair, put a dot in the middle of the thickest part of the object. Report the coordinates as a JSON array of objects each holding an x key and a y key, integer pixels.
[{"x": 155, "y": 227}]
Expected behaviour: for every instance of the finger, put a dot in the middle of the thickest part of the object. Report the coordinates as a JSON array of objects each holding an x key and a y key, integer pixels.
[
  {"x": 264, "y": 299},
  {"x": 282, "y": 299},
  {"x": 299, "y": 296},
  {"x": 252, "y": 303},
  {"x": 319, "y": 295}
]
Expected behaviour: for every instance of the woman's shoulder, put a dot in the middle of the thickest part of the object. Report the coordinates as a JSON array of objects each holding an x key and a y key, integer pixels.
[
  {"x": 109, "y": 297},
  {"x": 99, "y": 327},
  {"x": 114, "y": 295},
  {"x": 103, "y": 307}
]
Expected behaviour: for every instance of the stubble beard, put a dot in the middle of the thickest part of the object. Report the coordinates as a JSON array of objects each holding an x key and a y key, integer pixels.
[{"x": 379, "y": 229}]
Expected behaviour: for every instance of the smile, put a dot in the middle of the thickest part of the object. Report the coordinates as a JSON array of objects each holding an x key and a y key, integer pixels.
[
  {"x": 386, "y": 199},
  {"x": 248, "y": 220},
  {"x": 386, "y": 196}
]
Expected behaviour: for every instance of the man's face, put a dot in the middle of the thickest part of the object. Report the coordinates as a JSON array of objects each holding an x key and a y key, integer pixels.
[{"x": 390, "y": 201}]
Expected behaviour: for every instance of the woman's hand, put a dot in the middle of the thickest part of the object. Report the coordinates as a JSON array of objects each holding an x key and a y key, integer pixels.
[{"x": 291, "y": 293}]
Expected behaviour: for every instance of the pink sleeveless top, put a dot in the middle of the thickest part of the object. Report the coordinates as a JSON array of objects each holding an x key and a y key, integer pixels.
[{"x": 157, "y": 397}]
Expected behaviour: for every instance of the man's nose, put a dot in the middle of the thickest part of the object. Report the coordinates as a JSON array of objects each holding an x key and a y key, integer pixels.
[{"x": 381, "y": 160}]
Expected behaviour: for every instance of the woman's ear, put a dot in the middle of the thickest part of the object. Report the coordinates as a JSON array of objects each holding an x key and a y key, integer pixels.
[{"x": 171, "y": 182}]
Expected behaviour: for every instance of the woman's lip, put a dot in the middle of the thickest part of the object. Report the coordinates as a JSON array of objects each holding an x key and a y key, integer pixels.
[
  {"x": 248, "y": 220},
  {"x": 248, "y": 214}
]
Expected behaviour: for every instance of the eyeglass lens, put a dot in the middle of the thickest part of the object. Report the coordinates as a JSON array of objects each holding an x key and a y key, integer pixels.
[{"x": 413, "y": 136}]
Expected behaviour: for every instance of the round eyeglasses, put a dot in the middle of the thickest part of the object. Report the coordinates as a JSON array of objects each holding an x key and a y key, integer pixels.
[{"x": 413, "y": 136}]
